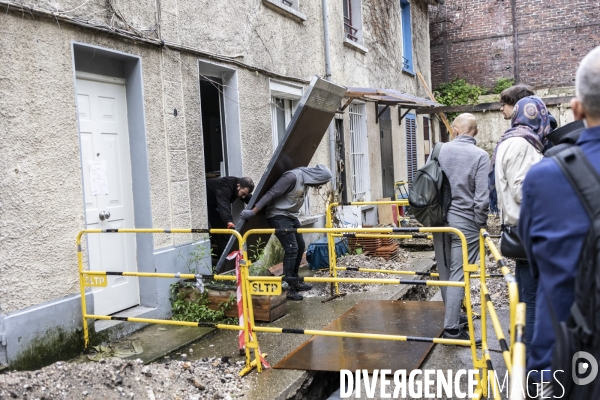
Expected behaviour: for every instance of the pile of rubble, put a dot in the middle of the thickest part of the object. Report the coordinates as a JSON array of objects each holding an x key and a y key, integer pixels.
[{"x": 213, "y": 378}]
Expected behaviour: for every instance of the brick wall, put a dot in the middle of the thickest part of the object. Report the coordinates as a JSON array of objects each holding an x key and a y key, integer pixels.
[{"x": 553, "y": 36}]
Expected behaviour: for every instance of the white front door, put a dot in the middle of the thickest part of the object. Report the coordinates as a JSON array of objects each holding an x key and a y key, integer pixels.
[{"x": 106, "y": 165}]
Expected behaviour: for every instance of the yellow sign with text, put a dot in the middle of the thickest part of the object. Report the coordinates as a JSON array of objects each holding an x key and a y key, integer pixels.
[
  {"x": 95, "y": 280},
  {"x": 265, "y": 288}
]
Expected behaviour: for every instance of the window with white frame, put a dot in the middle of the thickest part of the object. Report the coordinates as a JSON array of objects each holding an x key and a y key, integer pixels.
[
  {"x": 353, "y": 20},
  {"x": 284, "y": 100},
  {"x": 358, "y": 153}
]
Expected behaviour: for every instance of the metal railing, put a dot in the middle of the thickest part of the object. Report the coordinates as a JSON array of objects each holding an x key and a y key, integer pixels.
[
  {"x": 334, "y": 279},
  {"x": 513, "y": 355}
]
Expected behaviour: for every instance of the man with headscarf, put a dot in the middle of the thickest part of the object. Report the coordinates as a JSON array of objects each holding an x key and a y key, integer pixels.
[
  {"x": 282, "y": 204},
  {"x": 554, "y": 225},
  {"x": 519, "y": 148}
]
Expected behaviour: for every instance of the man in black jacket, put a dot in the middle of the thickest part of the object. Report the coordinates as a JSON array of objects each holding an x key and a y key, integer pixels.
[{"x": 221, "y": 193}]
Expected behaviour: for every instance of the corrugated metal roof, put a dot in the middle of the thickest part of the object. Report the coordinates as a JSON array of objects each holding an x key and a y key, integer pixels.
[{"x": 389, "y": 96}]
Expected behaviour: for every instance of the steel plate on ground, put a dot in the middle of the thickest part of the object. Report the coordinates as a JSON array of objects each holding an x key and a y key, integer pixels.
[{"x": 408, "y": 318}]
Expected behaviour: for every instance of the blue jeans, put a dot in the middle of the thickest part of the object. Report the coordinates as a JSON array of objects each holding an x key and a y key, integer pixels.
[
  {"x": 527, "y": 294},
  {"x": 292, "y": 243}
]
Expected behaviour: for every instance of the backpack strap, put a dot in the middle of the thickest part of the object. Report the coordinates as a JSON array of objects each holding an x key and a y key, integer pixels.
[
  {"x": 436, "y": 151},
  {"x": 583, "y": 178},
  {"x": 586, "y": 183}
]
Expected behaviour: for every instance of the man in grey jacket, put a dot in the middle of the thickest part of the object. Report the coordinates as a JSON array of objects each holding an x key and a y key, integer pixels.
[
  {"x": 466, "y": 167},
  {"x": 282, "y": 203}
]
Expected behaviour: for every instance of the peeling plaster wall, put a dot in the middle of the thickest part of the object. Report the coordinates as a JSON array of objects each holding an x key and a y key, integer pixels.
[{"x": 41, "y": 199}]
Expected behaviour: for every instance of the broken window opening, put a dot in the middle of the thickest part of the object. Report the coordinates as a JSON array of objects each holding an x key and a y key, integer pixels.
[{"x": 213, "y": 128}]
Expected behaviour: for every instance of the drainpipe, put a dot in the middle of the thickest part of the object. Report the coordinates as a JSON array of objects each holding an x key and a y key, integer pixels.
[{"x": 332, "y": 162}]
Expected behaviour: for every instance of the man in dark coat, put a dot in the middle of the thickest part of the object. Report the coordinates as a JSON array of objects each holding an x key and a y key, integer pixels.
[{"x": 221, "y": 193}]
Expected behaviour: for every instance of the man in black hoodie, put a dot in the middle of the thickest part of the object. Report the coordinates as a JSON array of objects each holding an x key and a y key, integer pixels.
[
  {"x": 221, "y": 193},
  {"x": 282, "y": 204}
]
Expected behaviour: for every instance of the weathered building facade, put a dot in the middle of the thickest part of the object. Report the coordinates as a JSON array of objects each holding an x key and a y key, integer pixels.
[{"x": 127, "y": 108}]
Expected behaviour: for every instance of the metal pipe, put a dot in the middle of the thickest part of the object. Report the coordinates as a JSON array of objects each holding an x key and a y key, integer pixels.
[{"x": 332, "y": 161}]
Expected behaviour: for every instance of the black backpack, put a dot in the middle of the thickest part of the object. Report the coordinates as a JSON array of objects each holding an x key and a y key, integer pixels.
[
  {"x": 563, "y": 137},
  {"x": 430, "y": 195},
  {"x": 581, "y": 331}
]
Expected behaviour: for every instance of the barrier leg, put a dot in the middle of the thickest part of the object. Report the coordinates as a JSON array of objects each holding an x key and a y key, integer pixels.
[
  {"x": 252, "y": 341},
  {"x": 86, "y": 332},
  {"x": 242, "y": 284},
  {"x": 484, "y": 344},
  {"x": 470, "y": 318},
  {"x": 518, "y": 385},
  {"x": 331, "y": 251}
]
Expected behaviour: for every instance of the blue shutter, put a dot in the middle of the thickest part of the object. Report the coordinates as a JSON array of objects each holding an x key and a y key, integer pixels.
[{"x": 407, "y": 47}]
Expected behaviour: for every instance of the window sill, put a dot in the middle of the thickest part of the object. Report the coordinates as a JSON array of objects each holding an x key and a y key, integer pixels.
[
  {"x": 408, "y": 72},
  {"x": 309, "y": 219},
  {"x": 284, "y": 10},
  {"x": 355, "y": 46}
]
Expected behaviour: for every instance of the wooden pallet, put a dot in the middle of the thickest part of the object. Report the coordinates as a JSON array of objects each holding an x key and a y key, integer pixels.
[{"x": 266, "y": 308}]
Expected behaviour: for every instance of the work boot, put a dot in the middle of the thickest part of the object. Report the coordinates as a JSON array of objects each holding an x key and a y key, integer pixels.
[
  {"x": 292, "y": 294},
  {"x": 302, "y": 287},
  {"x": 461, "y": 334}
]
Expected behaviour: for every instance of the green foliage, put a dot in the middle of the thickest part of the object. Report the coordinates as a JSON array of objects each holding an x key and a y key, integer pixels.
[
  {"x": 257, "y": 250},
  {"x": 196, "y": 257},
  {"x": 190, "y": 305},
  {"x": 458, "y": 92},
  {"x": 264, "y": 255},
  {"x": 501, "y": 84},
  {"x": 187, "y": 303}
]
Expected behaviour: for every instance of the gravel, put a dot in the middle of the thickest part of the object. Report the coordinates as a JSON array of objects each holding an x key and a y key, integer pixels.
[
  {"x": 212, "y": 378},
  {"x": 404, "y": 263}
]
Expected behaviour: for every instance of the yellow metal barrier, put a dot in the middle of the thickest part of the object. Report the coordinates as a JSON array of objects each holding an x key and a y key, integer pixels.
[
  {"x": 513, "y": 355},
  {"x": 330, "y": 237},
  {"x": 468, "y": 268},
  {"x": 99, "y": 278}
]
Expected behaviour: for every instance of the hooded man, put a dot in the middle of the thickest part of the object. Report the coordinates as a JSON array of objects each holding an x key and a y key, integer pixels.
[{"x": 282, "y": 204}]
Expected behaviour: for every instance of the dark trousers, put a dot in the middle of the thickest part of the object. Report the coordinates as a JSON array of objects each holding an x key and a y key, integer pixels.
[
  {"x": 527, "y": 293},
  {"x": 292, "y": 243},
  {"x": 215, "y": 222}
]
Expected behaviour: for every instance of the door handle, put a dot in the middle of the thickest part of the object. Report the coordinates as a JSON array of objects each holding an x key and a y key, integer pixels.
[{"x": 104, "y": 215}]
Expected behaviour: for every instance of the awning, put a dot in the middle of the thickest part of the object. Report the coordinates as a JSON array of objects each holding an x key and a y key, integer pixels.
[{"x": 387, "y": 97}]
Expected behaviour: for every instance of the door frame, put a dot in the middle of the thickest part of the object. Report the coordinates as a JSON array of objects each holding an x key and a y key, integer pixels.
[
  {"x": 383, "y": 149},
  {"x": 230, "y": 113},
  {"x": 131, "y": 71}
]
